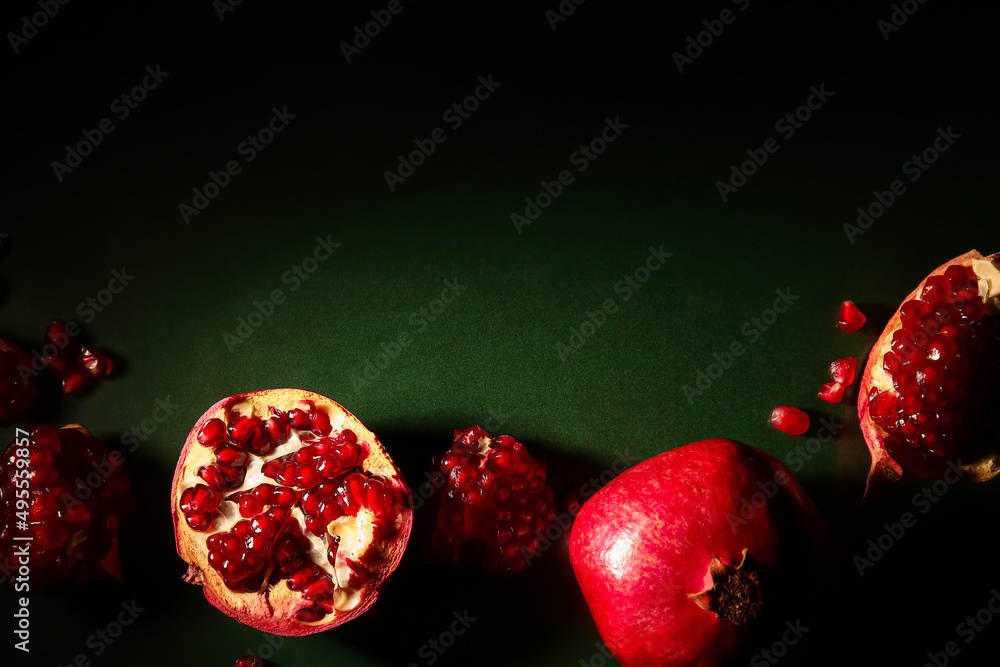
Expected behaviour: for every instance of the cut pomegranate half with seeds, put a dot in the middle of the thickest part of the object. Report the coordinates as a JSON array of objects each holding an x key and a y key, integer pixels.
[
  {"x": 495, "y": 505},
  {"x": 77, "y": 496},
  {"x": 18, "y": 390},
  {"x": 289, "y": 511},
  {"x": 850, "y": 318},
  {"x": 930, "y": 388}
]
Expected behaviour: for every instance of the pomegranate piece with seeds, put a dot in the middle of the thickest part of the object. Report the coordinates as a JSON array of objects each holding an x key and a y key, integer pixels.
[
  {"x": 929, "y": 392},
  {"x": 842, "y": 371},
  {"x": 76, "y": 364},
  {"x": 789, "y": 420},
  {"x": 495, "y": 504},
  {"x": 850, "y": 318},
  {"x": 76, "y": 493},
  {"x": 288, "y": 511},
  {"x": 18, "y": 389}
]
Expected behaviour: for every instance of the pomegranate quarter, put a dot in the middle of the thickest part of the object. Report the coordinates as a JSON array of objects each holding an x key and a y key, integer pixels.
[
  {"x": 288, "y": 511},
  {"x": 930, "y": 388},
  {"x": 678, "y": 556}
]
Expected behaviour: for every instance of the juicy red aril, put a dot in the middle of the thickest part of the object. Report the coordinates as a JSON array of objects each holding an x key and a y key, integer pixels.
[
  {"x": 78, "y": 495},
  {"x": 495, "y": 505},
  {"x": 850, "y": 319},
  {"x": 832, "y": 392},
  {"x": 212, "y": 433},
  {"x": 945, "y": 334},
  {"x": 790, "y": 420},
  {"x": 250, "y": 661},
  {"x": 842, "y": 370}
]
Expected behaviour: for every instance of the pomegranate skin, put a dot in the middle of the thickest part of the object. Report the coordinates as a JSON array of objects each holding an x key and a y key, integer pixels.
[{"x": 643, "y": 544}]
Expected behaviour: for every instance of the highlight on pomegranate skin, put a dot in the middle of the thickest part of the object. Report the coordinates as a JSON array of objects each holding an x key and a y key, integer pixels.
[
  {"x": 495, "y": 504},
  {"x": 930, "y": 388},
  {"x": 288, "y": 510},
  {"x": 679, "y": 559},
  {"x": 77, "y": 494}
]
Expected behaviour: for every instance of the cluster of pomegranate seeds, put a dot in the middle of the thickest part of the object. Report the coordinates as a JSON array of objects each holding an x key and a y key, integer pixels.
[
  {"x": 943, "y": 363},
  {"x": 850, "y": 318},
  {"x": 495, "y": 505},
  {"x": 842, "y": 371},
  {"x": 282, "y": 524},
  {"x": 75, "y": 364},
  {"x": 78, "y": 495},
  {"x": 18, "y": 390},
  {"x": 790, "y": 420}
]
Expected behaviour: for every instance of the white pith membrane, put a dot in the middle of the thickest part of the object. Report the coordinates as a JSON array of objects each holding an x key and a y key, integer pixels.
[
  {"x": 989, "y": 292},
  {"x": 356, "y": 533}
]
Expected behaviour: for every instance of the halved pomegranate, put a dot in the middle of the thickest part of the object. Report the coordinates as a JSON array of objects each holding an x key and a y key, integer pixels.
[
  {"x": 63, "y": 495},
  {"x": 930, "y": 388},
  {"x": 289, "y": 511}
]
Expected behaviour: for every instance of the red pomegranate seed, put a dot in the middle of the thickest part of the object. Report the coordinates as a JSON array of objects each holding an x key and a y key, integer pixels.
[
  {"x": 790, "y": 420},
  {"x": 850, "y": 319},
  {"x": 843, "y": 370},
  {"x": 832, "y": 392},
  {"x": 250, "y": 661},
  {"x": 212, "y": 433}
]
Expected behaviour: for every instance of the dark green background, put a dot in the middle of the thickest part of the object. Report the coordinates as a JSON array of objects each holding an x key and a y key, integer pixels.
[{"x": 491, "y": 355}]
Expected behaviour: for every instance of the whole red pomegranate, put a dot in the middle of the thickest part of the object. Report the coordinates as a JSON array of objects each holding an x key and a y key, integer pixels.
[
  {"x": 18, "y": 390},
  {"x": 69, "y": 497},
  {"x": 288, "y": 510},
  {"x": 678, "y": 554},
  {"x": 932, "y": 380},
  {"x": 494, "y": 504}
]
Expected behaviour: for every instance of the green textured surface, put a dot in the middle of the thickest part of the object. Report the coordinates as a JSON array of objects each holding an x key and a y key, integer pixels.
[{"x": 491, "y": 355}]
